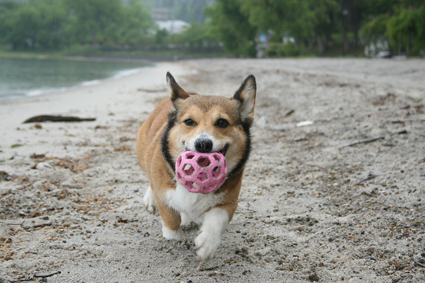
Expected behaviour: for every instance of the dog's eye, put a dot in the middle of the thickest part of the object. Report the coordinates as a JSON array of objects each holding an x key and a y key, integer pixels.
[
  {"x": 222, "y": 123},
  {"x": 190, "y": 123}
]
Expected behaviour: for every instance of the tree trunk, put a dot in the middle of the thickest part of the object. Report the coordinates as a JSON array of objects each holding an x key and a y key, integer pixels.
[
  {"x": 329, "y": 38},
  {"x": 297, "y": 43},
  {"x": 344, "y": 37},
  {"x": 407, "y": 45},
  {"x": 310, "y": 43},
  {"x": 344, "y": 31},
  {"x": 320, "y": 45},
  {"x": 94, "y": 41},
  {"x": 355, "y": 25},
  {"x": 356, "y": 36}
]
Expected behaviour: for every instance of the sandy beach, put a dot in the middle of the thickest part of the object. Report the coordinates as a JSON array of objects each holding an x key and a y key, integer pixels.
[{"x": 334, "y": 190}]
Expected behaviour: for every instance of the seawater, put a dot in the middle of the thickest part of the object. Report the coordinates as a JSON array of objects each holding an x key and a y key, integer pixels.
[{"x": 28, "y": 77}]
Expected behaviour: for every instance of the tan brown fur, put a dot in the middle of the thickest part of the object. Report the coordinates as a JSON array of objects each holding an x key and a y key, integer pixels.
[
  {"x": 165, "y": 135},
  {"x": 149, "y": 146}
]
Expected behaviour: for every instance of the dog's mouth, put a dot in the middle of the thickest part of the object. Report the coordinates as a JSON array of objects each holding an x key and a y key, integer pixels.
[{"x": 222, "y": 151}]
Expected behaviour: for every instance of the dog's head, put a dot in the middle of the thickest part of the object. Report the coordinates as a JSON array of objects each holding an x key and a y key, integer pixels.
[{"x": 210, "y": 124}]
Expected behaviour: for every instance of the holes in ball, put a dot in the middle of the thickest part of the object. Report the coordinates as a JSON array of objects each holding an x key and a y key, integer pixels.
[
  {"x": 210, "y": 188},
  {"x": 188, "y": 170},
  {"x": 203, "y": 162},
  {"x": 216, "y": 157},
  {"x": 202, "y": 176},
  {"x": 216, "y": 172},
  {"x": 190, "y": 156}
]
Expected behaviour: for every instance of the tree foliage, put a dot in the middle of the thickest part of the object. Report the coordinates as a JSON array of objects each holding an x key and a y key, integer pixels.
[
  {"x": 231, "y": 26},
  {"x": 292, "y": 27},
  {"x": 53, "y": 24},
  {"x": 320, "y": 24}
]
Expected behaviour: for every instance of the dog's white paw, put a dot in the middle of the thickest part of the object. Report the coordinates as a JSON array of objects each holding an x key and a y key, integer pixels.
[
  {"x": 185, "y": 219},
  {"x": 214, "y": 224},
  {"x": 149, "y": 201},
  {"x": 170, "y": 234},
  {"x": 206, "y": 244}
]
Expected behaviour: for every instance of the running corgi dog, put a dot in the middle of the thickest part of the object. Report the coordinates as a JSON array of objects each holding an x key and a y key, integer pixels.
[{"x": 199, "y": 123}]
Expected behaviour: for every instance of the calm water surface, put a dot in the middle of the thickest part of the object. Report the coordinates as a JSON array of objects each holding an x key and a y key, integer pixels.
[{"x": 28, "y": 77}]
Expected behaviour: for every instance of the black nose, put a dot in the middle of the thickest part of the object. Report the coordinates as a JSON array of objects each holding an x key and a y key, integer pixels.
[{"x": 203, "y": 145}]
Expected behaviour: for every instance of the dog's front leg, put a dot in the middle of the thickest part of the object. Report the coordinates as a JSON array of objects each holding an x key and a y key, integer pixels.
[
  {"x": 170, "y": 222},
  {"x": 214, "y": 224}
]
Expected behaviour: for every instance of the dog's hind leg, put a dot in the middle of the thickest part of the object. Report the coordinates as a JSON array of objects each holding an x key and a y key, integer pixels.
[{"x": 149, "y": 201}]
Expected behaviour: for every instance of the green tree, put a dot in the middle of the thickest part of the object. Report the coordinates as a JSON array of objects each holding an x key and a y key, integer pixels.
[
  {"x": 401, "y": 21},
  {"x": 94, "y": 21},
  {"x": 405, "y": 29},
  {"x": 230, "y": 25},
  {"x": 304, "y": 20},
  {"x": 135, "y": 25},
  {"x": 51, "y": 33},
  {"x": 108, "y": 22},
  {"x": 194, "y": 36},
  {"x": 5, "y": 10},
  {"x": 34, "y": 25},
  {"x": 22, "y": 25}
]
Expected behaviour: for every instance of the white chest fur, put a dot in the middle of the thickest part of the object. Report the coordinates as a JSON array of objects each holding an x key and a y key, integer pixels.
[{"x": 193, "y": 204}]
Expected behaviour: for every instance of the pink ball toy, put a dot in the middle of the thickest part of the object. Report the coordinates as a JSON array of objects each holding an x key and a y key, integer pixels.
[{"x": 201, "y": 172}]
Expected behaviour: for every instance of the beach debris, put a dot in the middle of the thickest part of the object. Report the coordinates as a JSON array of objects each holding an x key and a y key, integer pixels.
[
  {"x": 74, "y": 166},
  {"x": 313, "y": 278},
  {"x": 289, "y": 112},
  {"x": 52, "y": 118},
  {"x": 16, "y": 145},
  {"x": 375, "y": 139},
  {"x": 124, "y": 139},
  {"x": 262, "y": 122},
  {"x": 37, "y": 156},
  {"x": 304, "y": 123},
  {"x": 38, "y": 126},
  {"x": 370, "y": 176},
  {"x": 35, "y": 276},
  {"x": 5, "y": 176},
  {"x": 122, "y": 148},
  {"x": 66, "y": 165},
  {"x": 43, "y": 166}
]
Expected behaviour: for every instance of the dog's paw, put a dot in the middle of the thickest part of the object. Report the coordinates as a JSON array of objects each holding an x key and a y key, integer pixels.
[
  {"x": 185, "y": 219},
  {"x": 170, "y": 234},
  {"x": 149, "y": 201},
  {"x": 206, "y": 244}
]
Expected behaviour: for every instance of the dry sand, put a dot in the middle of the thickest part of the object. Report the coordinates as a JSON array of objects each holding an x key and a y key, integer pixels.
[{"x": 311, "y": 208}]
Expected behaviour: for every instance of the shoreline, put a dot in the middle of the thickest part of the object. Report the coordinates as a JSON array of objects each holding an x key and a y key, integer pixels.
[
  {"x": 311, "y": 208},
  {"x": 44, "y": 91},
  {"x": 51, "y": 86},
  {"x": 81, "y": 100}
]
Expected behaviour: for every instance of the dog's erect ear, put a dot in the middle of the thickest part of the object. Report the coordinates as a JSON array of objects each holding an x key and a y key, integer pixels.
[
  {"x": 174, "y": 89},
  {"x": 246, "y": 95}
]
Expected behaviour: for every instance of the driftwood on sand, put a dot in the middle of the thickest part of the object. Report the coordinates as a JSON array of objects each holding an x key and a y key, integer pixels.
[{"x": 51, "y": 118}]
